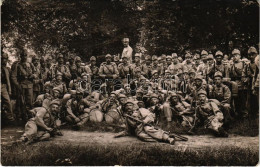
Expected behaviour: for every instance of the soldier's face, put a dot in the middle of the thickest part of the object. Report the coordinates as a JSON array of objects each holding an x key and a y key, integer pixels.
[
  {"x": 93, "y": 62},
  {"x": 154, "y": 101},
  {"x": 204, "y": 58},
  {"x": 122, "y": 100},
  {"x": 59, "y": 78},
  {"x": 78, "y": 63},
  {"x": 174, "y": 99},
  {"x": 202, "y": 98},
  {"x": 54, "y": 108},
  {"x": 218, "y": 80},
  {"x": 129, "y": 108},
  {"x": 198, "y": 82},
  {"x": 125, "y": 43},
  {"x": 60, "y": 60},
  {"x": 24, "y": 58},
  {"x": 175, "y": 60},
  {"x": 148, "y": 62},
  {"x": 169, "y": 61},
  {"x": 36, "y": 62},
  {"x": 252, "y": 56},
  {"x": 108, "y": 59},
  {"x": 56, "y": 94},
  {"x": 155, "y": 62},
  {"x": 192, "y": 75},
  {"x": 137, "y": 59},
  {"x": 218, "y": 58},
  {"x": 188, "y": 59},
  {"x": 210, "y": 61},
  {"x": 125, "y": 60},
  {"x": 236, "y": 57}
]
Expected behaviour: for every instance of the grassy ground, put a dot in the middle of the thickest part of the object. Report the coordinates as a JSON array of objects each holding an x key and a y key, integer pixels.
[{"x": 65, "y": 154}]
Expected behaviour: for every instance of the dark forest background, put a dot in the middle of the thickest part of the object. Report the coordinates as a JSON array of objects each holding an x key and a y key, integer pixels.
[{"x": 94, "y": 27}]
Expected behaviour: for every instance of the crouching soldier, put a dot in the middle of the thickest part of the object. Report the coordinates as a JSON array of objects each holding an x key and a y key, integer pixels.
[
  {"x": 76, "y": 114},
  {"x": 44, "y": 124},
  {"x": 145, "y": 131},
  {"x": 209, "y": 115},
  {"x": 178, "y": 110}
]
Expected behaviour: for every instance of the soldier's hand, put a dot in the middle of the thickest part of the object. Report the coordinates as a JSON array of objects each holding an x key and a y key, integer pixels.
[
  {"x": 77, "y": 119},
  {"x": 49, "y": 129}
]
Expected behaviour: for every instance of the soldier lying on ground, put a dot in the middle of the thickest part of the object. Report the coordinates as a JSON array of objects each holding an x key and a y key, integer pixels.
[
  {"x": 142, "y": 130},
  {"x": 44, "y": 124}
]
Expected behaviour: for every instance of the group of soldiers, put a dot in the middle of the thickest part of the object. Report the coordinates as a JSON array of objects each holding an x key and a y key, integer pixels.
[{"x": 200, "y": 89}]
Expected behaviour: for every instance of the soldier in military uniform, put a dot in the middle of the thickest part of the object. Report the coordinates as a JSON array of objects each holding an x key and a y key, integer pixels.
[
  {"x": 108, "y": 71},
  {"x": 82, "y": 69},
  {"x": 72, "y": 66},
  {"x": 222, "y": 93},
  {"x": 155, "y": 65},
  {"x": 22, "y": 77},
  {"x": 94, "y": 69},
  {"x": 146, "y": 68},
  {"x": 127, "y": 51},
  {"x": 44, "y": 124},
  {"x": 155, "y": 107},
  {"x": 38, "y": 81},
  {"x": 142, "y": 130},
  {"x": 236, "y": 71},
  {"x": 137, "y": 59},
  {"x": 76, "y": 114},
  {"x": 209, "y": 115},
  {"x": 187, "y": 63},
  {"x": 6, "y": 90},
  {"x": 220, "y": 66},
  {"x": 125, "y": 70},
  {"x": 204, "y": 58},
  {"x": 176, "y": 67}
]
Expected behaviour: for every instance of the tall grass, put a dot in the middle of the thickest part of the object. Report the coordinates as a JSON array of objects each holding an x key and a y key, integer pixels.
[{"x": 138, "y": 154}]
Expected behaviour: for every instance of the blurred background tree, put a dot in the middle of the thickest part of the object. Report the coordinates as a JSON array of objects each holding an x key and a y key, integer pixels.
[{"x": 88, "y": 27}]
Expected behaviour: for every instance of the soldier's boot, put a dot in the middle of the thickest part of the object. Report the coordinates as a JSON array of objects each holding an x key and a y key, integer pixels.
[{"x": 168, "y": 139}]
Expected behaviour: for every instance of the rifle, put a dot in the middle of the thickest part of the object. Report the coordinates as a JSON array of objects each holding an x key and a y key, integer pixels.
[{"x": 170, "y": 134}]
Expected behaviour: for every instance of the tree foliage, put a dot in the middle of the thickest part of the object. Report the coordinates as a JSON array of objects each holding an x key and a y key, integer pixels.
[{"x": 97, "y": 27}]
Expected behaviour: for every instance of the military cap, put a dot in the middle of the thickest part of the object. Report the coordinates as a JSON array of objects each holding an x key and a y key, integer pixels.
[
  {"x": 204, "y": 52},
  {"x": 252, "y": 50},
  {"x": 185, "y": 71},
  {"x": 84, "y": 74},
  {"x": 49, "y": 58},
  {"x": 154, "y": 57},
  {"x": 153, "y": 95},
  {"x": 60, "y": 56},
  {"x": 198, "y": 77},
  {"x": 235, "y": 51},
  {"x": 218, "y": 74},
  {"x": 93, "y": 58},
  {"x": 108, "y": 56},
  {"x": 138, "y": 69},
  {"x": 154, "y": 72},
  {"x": 47, "y": 84},
  {"x": 113, "y": 92},
  {"x": 174, "y": 55},
  {"x": 130, "y": 101},
  {"x": 77, "y": 59},
  {"x": 159, "y": 59},
  {"x": 173, "y": 94},
  {"x": 73, "y": 92},
  {"x": 188, "y": 55},
  {"x": 121, "y": 95},
  {"x": 180, "y": 59},
  {"x": 202, "y": 92},
  {"x": 219, "y": 53},
  {"x": 167, "y": 71},
  {"x": 148, "y": 57},
  {"x": 59, "y": 74},
  {"x": 4, "y": 56},
  {"x": 168, "y": 57},
  {"x": 55, "y": 101},
  {"x": 35, "y": 57},
  {"x": 138, "y": 55},
  {"x": 210, "y": 57},
  {"x": 196, "y": 56},
  {"x": 116, "y": 58},
  {"x": 124, "y": 57},
  {"x": 163, "y": 56},
  {"x": 125, "y": 40},
  {"x": 191, "y": 71}
]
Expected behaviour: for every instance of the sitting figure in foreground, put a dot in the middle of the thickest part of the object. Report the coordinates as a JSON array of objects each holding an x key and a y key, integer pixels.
[
  {"x": 144, "y": 131},
  {"x": 44, "y": 124}
]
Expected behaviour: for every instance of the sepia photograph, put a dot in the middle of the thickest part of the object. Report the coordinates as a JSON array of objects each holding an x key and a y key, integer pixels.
[{"x": 130, "y": 83}]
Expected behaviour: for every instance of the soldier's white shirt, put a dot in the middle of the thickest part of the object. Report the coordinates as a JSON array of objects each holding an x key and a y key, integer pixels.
[{"x": 127, "y": 52}]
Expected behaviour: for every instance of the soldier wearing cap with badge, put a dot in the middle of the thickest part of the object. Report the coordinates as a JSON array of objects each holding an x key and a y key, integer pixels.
[
  {"x": 155, "y": 107},
  {"x": 222, "y": 93},
  {"x": 220, "y": 66},
  {"x": 108, "y": 69},
  {"x": 188, "y": 65},
  {"x": 94, "y": 69},
  {"x": 61, "y": 68},
  {"x": 210, "y": 115},
  {"x": 236, "y": 74},
  {"x": 23, "y": 77},
  {"x": 127, "y": 51},
  {"x": 146, "y": 68},
  {"x": 155, "y": 64},
  {"x": 137, "y": 60},
  {"x": 82, "y": 69},
  {"x": 125, "y": 70},
  {"x": 204, "y": 57},
  {"x": 6, "y": 89},
  {"x": 44, "y": 123},
  {"x": 168, "y": 60},
  {"x": 176, "y": 67},
  {"x": 142, "y": 130}
]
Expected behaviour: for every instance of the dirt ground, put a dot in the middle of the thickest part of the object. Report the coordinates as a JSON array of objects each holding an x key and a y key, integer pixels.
[{"x": 8, "y": 135}]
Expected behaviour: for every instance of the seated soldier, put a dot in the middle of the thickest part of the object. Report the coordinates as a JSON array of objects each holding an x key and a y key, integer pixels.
[
  {"x": 178, "y": 109},
  {"x": 144, "y": 131},
  {"x": 209, "y": 115},
  {"x": 155, "y": 107},
  {"x": 44, "y": 123},
  {"x": 76, "y": 115},
  {"x": 46, "y": 95}
]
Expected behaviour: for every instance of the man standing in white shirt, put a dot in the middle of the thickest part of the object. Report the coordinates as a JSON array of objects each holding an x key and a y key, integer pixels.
[{"x": 127, "y": 51}]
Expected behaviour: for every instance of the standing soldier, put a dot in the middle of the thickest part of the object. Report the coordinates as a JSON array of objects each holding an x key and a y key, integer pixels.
[
  {"x": 93, "y": 67},
  {"x": 127, "y": 51},
  {"x": 72, "y": 67},
  {"x": 22, "y": 77},
  {"x": 46, "y": 75},
  {"x": 125, "y": 70},
  {"x": 197, "y": 61},
  {"x": 222, "y": 93},
  {"x": 188, "y": 65},
  {"x": 236, "y": 71},
  {"x": 62, "y": 68},
  {"x": 220, "y": 66},
  {"x": 204, "y": 58},
  {"x": 155, "y": 65},
  {"x": 82, "y": 69},
  {"x": 147, "y": 67},
  {"x": 38, "y": 81},
  {"x": 108, "y": 71},
  {"x": 169, "y": 60},
  {"x": 176, "y": 67},
  {"x": 137, "y": 62},
  {"x": 6, "y": 89}
]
